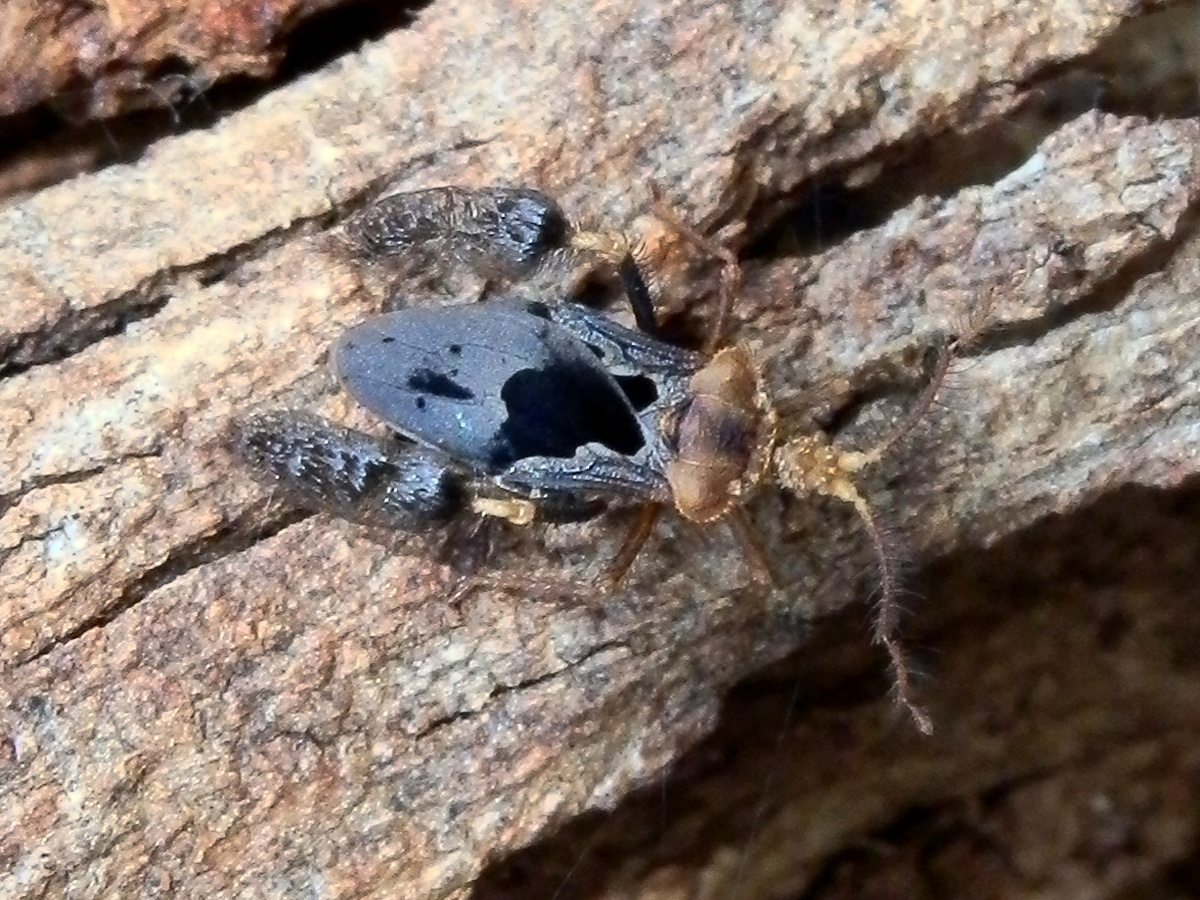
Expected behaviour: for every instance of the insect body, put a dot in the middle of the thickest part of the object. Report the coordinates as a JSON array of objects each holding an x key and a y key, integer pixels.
[
  {"x": 528, "y": 411},
  {"x": 488, "y": 385},
  {"x": 501, "y": 409}
]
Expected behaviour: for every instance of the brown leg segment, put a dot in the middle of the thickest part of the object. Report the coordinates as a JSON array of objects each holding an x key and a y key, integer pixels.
[
  {"x": 634, "y": 541},
  {"x": 744, "y": 528},
  {"x": 731, "y": 274}
]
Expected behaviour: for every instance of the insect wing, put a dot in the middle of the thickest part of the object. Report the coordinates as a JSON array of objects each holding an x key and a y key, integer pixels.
[{"x": 488, "y": 385}]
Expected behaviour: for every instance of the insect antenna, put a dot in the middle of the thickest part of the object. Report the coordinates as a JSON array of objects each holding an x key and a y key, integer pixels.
[
  {"x": 886, "y": 627},
  {"x": 946, "y": 353},
  {"x": 810, "y": 464},
  {"x": 949, "y": 351}
]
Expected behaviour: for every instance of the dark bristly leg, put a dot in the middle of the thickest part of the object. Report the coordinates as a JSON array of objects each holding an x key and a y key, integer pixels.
[
  {"x": 502, "y": 233},
  {"x": 638, "y": 294},
  {"x": 355, "y": 476}
]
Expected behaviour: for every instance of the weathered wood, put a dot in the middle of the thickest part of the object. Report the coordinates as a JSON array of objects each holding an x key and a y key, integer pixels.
[
  {"x": 206, "y": 695},
  {"x": 96, "y": 61}
]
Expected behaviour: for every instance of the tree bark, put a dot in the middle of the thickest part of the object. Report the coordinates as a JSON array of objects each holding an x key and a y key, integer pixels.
[{"x": 207, "y": 693}]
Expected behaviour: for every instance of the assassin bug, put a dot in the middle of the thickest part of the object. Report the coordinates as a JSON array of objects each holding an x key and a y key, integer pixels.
[
  {"x": 526, "y": 410},
  {"x": 516, "y": 410},
  {"x": 499, "y": 231}
]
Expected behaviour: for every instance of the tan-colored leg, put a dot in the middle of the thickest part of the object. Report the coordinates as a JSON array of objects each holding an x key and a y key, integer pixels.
[
  {"x": 751, "y": 542},
  {"x": 526, "y": 587},
  {"x": 731, "y": 271},
  {"x": 633, "y": 543}
]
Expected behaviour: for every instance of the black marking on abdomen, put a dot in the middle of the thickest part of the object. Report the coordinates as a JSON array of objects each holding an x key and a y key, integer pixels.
[{"x": 439, "y": 384}]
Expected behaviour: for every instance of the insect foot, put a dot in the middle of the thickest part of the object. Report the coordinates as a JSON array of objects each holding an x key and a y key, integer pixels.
[{"x": 500, "y": 232}]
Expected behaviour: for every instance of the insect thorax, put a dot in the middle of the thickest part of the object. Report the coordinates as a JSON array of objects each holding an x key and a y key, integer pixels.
[{"x": 722, "y": 437}]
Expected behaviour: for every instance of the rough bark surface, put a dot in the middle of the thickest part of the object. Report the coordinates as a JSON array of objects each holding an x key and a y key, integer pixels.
[
  {"x": 95, "y": 61},
  {"x": 204, "y": 693}
]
